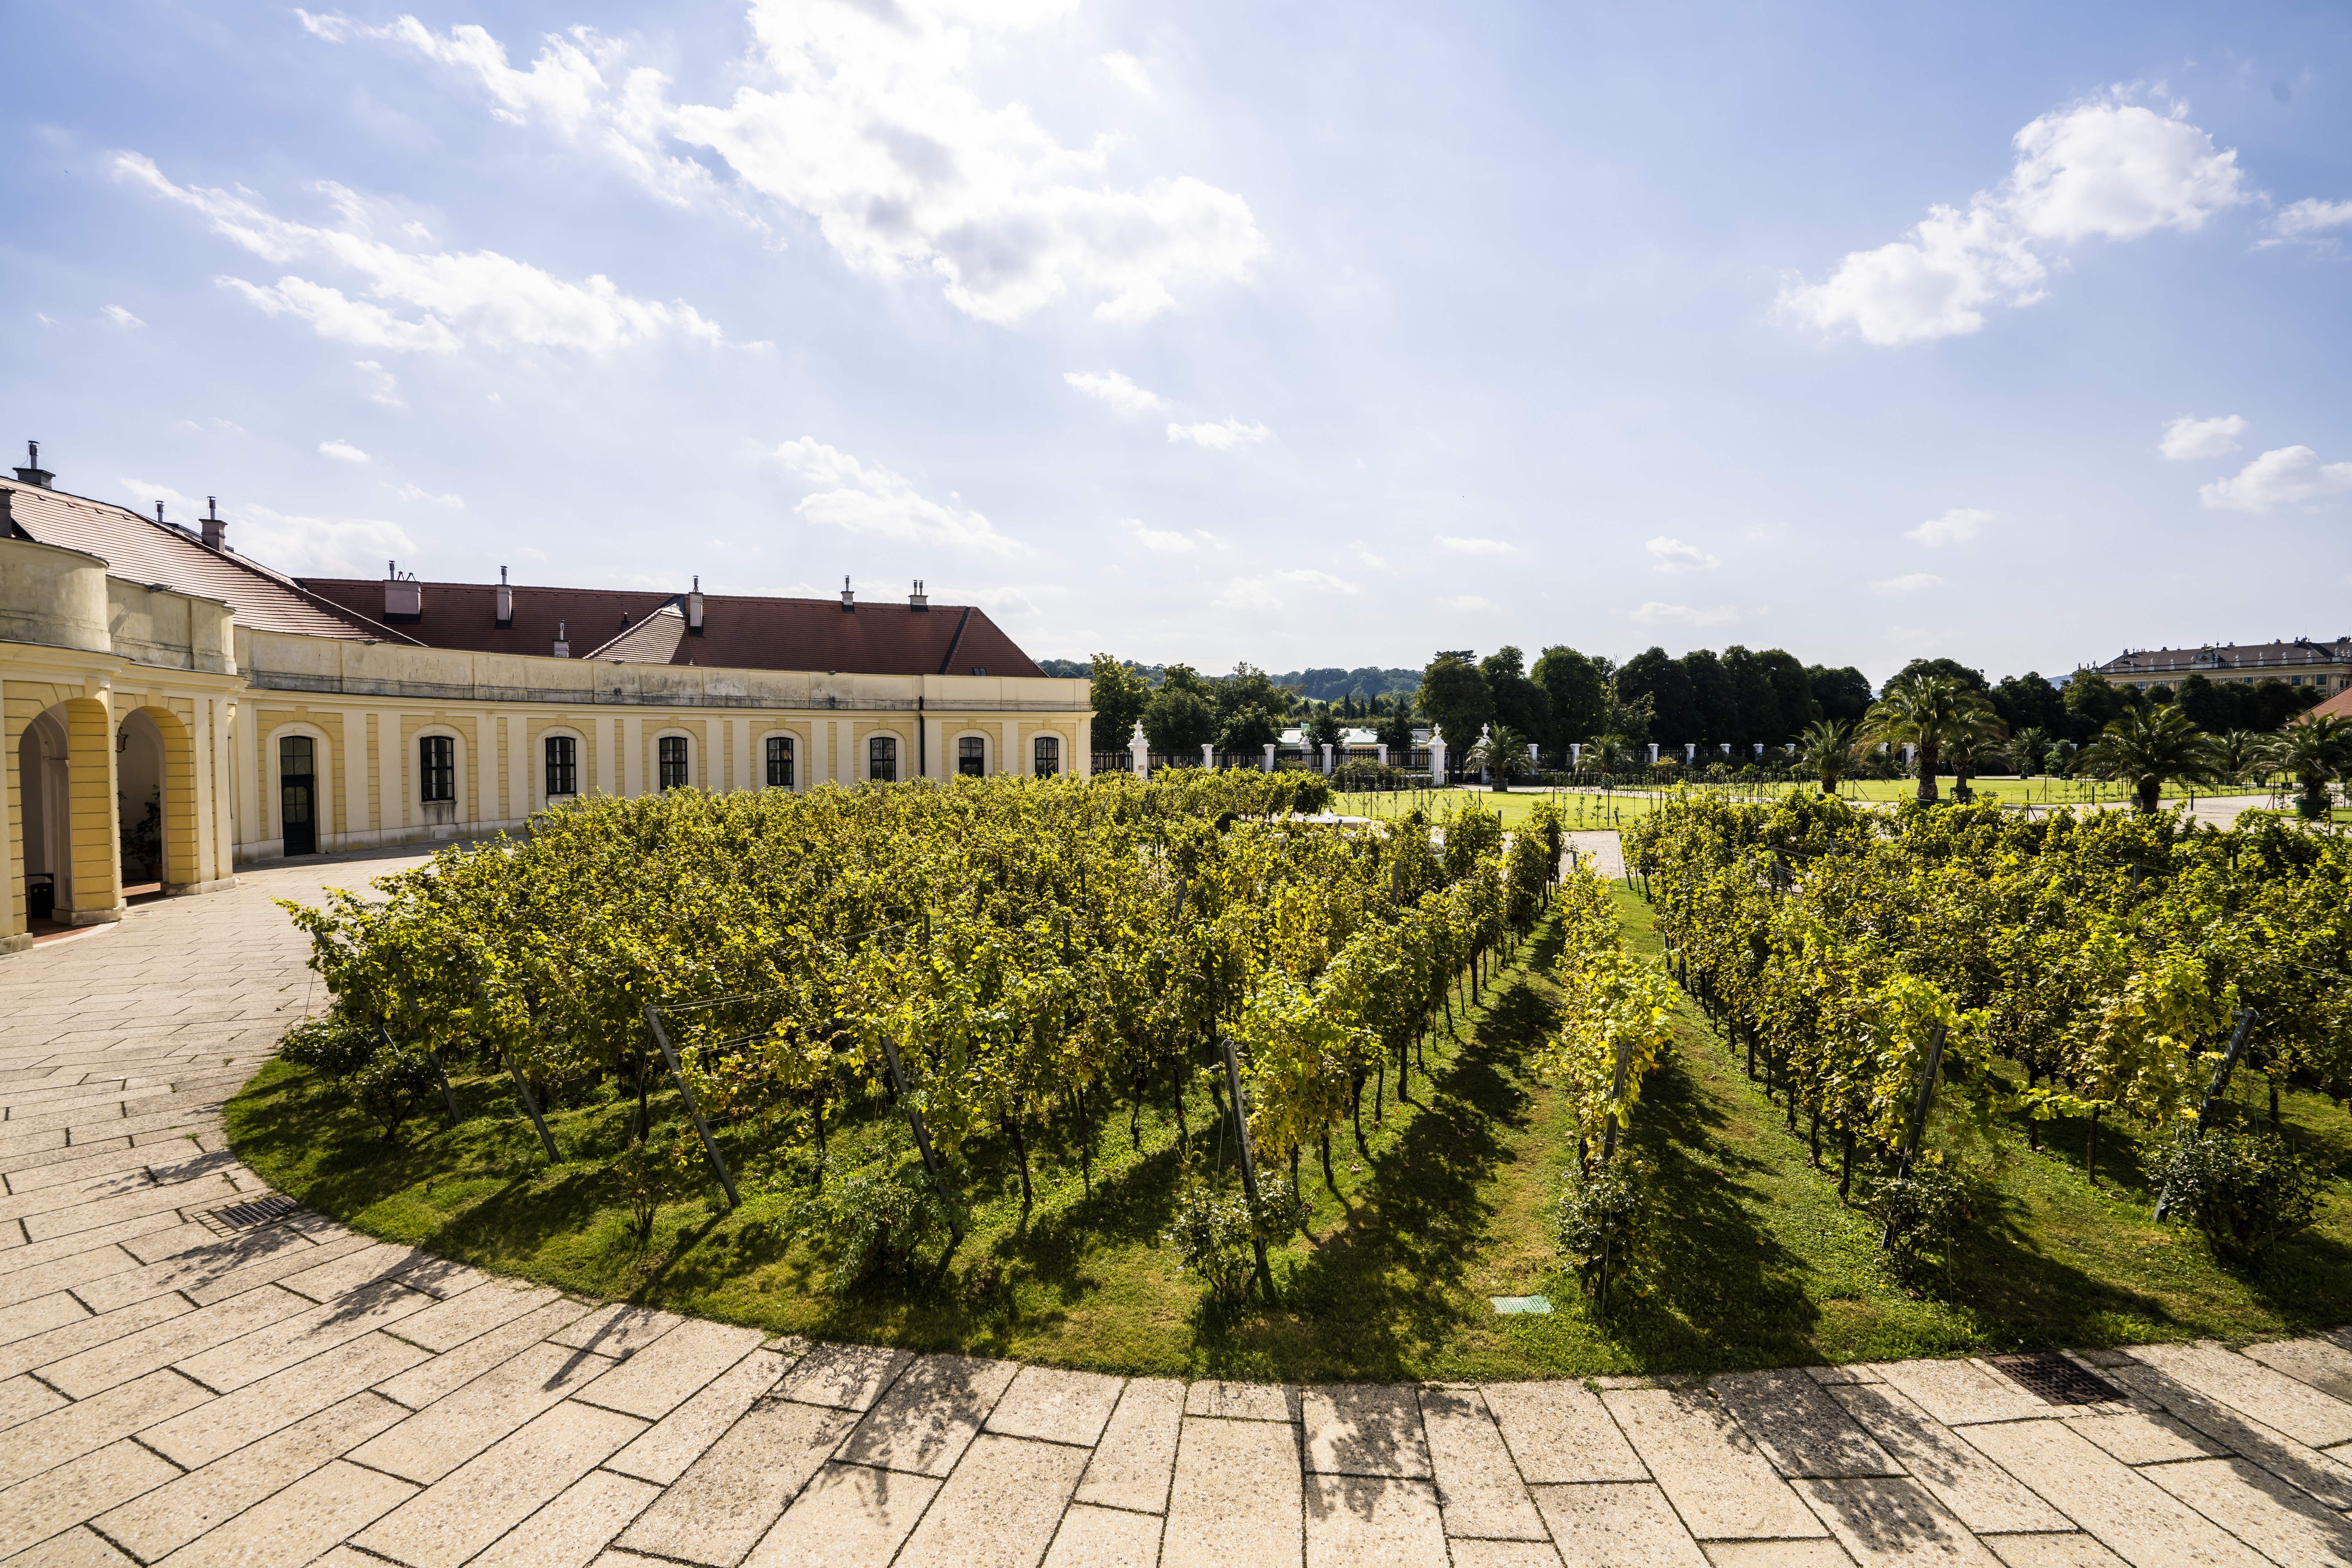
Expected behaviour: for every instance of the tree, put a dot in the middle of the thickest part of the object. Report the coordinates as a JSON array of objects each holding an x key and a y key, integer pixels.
[
  {"x": 1455, "y": 696},
  {"x": 1826, "y": 749},
  {"x": 1950, "y": 670},
  {"x": 2316, "y": 751},
  {"x": 1926, "y": 710},
  {"x": 1842, "y": 694},
  {"x": 2148, "y": 745},
  {"x": 1179, "y": 720},
  {"x": 1975, "y": 747},
  {"x": 1662, "y": 681},
  {"x": 1185, "y": 677},
  {"x": 1323, "y": 729},
  {"x": 2092, "y": 703},
  {"x": 1247, "y": 729},
  {"x": 1519, "y": 703},
  {"x": 2026, "y": 748},
  {"x": 1119, "y": 695},
  {"x": 1504, "y": 755},
  {"x": 2027, "y": 701},
  {"x": 1248, "y": 686},
  {"x": 1395, "y": 730},
  {"x": 2237, "y": 754},
  {"x": 1573, "y": 683},
  {"x": 1714, "y": 713},
  {"x": 1792, "y": 689},
  {"x": 2277, "y": 703},
  {"x": 1753, "y": 701}
]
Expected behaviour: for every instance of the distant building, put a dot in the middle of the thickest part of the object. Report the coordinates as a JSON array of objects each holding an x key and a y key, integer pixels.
[{"x": 2326, "y": 664}]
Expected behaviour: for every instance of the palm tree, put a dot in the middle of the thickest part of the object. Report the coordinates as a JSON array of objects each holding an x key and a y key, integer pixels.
[
  {"x": 1504, "y": 756},
  {"x": 1826, "y": 746},
  {"x": 2025, "y": 748},
  {"x": 2237, "y": 753},
  {"x": 1974, "y": 748},
  {"x": 1929, "y": 711},
  {"x": 2315, "y": 751},
  {"x": 1612, "y": 753},
  {"x": 2146, "y": 746}
]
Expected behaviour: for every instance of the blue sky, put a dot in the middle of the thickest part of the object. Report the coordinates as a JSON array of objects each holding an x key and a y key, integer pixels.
[{"x": 1310, "y": 336}]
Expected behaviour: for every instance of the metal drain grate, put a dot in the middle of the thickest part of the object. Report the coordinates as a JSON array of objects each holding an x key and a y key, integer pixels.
[
  {"x": 260, "y": 1211},
  {"x": 2056, "y": 1380}
]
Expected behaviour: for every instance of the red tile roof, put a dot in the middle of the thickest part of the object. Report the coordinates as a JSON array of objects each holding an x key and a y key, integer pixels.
[
  {"x": 141, "y": 550},
  {"x": 740, "y": 632},
  {"x": 2336, "y": 706}
]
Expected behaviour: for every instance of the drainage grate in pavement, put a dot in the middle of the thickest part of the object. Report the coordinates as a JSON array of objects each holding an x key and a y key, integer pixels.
[
  {"x": 245, "y": 1216},
  {"x": 2055, "y": 1379}
]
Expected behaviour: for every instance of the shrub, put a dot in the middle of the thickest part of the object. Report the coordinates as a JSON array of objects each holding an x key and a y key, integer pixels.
[
  {"x": 1923, "y": 1213},
  {"x": 394, "y": 1084},
  {"x": 1215, "y": 1229},
  {"x": 2245, "y": 1191},
  {"x": 1361, "y": 776},
  {"x": 1602, "y": 1224},
  {"x": 645, "y": 1176},
  {"x": 875, "y": 1220},
  {"x": 334, "y": 1046}
]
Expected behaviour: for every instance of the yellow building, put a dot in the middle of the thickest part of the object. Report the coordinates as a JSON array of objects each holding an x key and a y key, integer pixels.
[
  {"x": 2324, "y": 664},
  {"x": 175, "y": 710}
]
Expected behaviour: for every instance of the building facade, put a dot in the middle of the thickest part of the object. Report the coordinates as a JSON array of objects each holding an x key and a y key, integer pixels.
[
  {"x": 2324, "y": 664},
  {"x": 174, "y": 710}
]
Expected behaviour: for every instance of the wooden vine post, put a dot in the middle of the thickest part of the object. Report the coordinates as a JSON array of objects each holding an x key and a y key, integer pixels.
[
  {"x": 1249, "y": 1163},
  {"x": 709, "y": 1146},
  {"x": 923, "y": 1133},
  {"x": 2215, "y": 1090},
  {"x": 1919, "y": 1110}
]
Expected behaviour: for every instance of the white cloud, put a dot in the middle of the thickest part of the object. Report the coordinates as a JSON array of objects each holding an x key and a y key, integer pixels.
[
  {"x": 1674, "y": 555},
  {"x": 1267, "y": 592},
  {"x": 2282, "y": 478},
  {"x": 1957, "y": 526},
  {"x": 2102, "y": 169},
  {"x": 873, "y": 500},
  {"x": 1159, "y": 540},
  {"x": 144, "y": 495},
  {"x": 122, "y": 317},
  {"x": 1475, "y": 546},
  {"x": 481, "y": 296},
  {"x": 2188, "y": 437},
  {"x": 1364, "y": 555},
  {"x": 1222, "y": 437},
  {"x": 1654, "y": 614},
  {"x": 1128, "y": 71},
  {"x": 413, "y": 493},
  {"x": 342, "y": 452},
  {"x": 387, "y": 386},
  {"x": 1109, "y": 386},
  {"x": 1465, "y": 604},
  {"x": 1909, "y": 583},
  {"x": 865, "y": 118},
  {"x": 2299, "y": 220},
  {"x": 313, "y": 546}
]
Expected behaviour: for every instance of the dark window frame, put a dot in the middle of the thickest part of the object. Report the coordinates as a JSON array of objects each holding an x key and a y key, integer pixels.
[
  {"x": 673, "y": 762},
  {"x": 780, "y": 762},
  {"x": 436, "y": 769},
  {"x": 562, "y": 753},
  {"x": 971, "y": 756},
  {"x": 1046, "y": 756},
  {"x": 882, "y": 759}
]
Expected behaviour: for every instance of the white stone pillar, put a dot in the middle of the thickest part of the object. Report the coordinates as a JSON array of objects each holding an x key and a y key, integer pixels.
[
  {"x": 1576, "y": 753},
  {"x": 1208, "y": 753},
  {"x": 1690, "y": 753},
  {"x": 1531, "y": 751},
  {"x": 1327, "y": 761},
  {"x": 1437, "y": 759},
  {"x": 1653, "y": 753},
  {"x": 1269, "y": 756},
  {"x": 1910, "y": 754},
  {"x": 1141, "y": 750}
]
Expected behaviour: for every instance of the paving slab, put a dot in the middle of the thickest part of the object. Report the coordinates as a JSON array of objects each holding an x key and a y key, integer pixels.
[
  {"x": 443, "y": 1435},
  {"x": 1103, "y": 1538},
  {"x": 176, "y": 1513},
  {"x": 2282, "y": 1523},
  {"x": 76, "y": 1548},
  {"x": 846, "y": 1377},
  {"x": 618, "y": 1330},
  {"x": 662, "y": 1453},
  {"x": 85, "y": 1333},
  {"x": 849, "y": 1516},
  {"x": 65, "y": 1495},
  {"x": 1560, "y": 1432},
  {"x": 208, "y": 1274},
  {"x": 1478, "y": 1487},
  {"x": 1377, "y": 1522},
  {"x": 433, "y": 1377},
  {"x": 2283, "y": 1404},
  {"x": 1056, "y": 1407},
  {"x": 663, "y": 1376},
  {"x": 1000, "y": 1508},
  {"x": 178, "y": 1337},
  {"x": 1776, "y": 1554},
  {"x": 2321, "y": 1363},
  {"x": 2147, "y": 1437},
  {"x": 1980, "y": 1493},
  {"x": 570, "y": 1532},
  {"x": 1798, "y": 1426},
  {"x": 70, "y": 1431},
  {"x": 1242, "y": 1400},
  {"x": 1236, "y": 1497},
  {"x": 2052, "y": 1551},
  {"x": 202, "y": 1435},
  {"x": 1506, "y": 1553},
  {"x": 930, "y": 1414},
  {"x": 22, "y": 1397},
  {"x": 38, "y": 1316},
  {"x": 2327, "y": 1479},
  {"x": 297, "y": 1524},
  {"x": 1722, "y": 1487},
  {"x": 1364, "y": 1429},
  {"x": 1891, "y": 1520},
  {"x": 1135, "y": 1462},
  {"x": 1624, "y": 1524},
  {"x": 1958, "y": 1392},
  {"x": 479, "y": 1501},
  {"x": 2128, "y": 1513},
  {"x": 726, "y": 1499},
  {"x": 468, "y": 1315}
]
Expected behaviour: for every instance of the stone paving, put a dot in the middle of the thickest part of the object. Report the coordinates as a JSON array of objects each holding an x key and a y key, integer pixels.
[{"x": 174, "y": 1389}]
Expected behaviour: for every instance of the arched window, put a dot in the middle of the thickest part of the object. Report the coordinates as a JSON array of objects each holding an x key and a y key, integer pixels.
[
  {"x": 1049, "y": 756},
  {"x": 972, "y": 757},
  {"x": 436, "y": 769},
  {"x": 671, "y": 751},
  {"x": 780, "y": 762},
  {"x": 297, "y": 782},
  {"x": 882, "y": 759},
  {"x": 562, "y": 765}
]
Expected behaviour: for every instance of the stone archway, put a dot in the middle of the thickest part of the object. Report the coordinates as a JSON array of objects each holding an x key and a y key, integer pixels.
[
  {"x": 45, "y": 816},
  {"x": 174, "y": 783}
]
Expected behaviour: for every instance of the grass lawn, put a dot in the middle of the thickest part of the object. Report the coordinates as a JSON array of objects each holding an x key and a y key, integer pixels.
[{"x": 1757, "y": 1263}]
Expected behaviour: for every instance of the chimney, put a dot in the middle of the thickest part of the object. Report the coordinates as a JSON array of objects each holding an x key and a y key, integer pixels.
[
  {"x": 216, "y": 531},
  {"x": 159, "y": 514},
  {"x": 694, "y": 610},
  {"x": 562, "y": 648},
  {"x": 33, "y": 473},
  {"x": 402, "y": 599},
  {"x": 506, "y": 603},
  {"x": 848, "y": 599},
  {"x": 919, "y": 601}
]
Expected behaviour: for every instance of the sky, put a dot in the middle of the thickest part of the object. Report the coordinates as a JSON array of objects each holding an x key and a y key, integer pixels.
[{"x": 1310, "y": 336}]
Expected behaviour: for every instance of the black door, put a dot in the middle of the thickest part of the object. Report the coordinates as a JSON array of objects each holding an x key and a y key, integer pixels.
[{"x": 294, "y": 796}]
